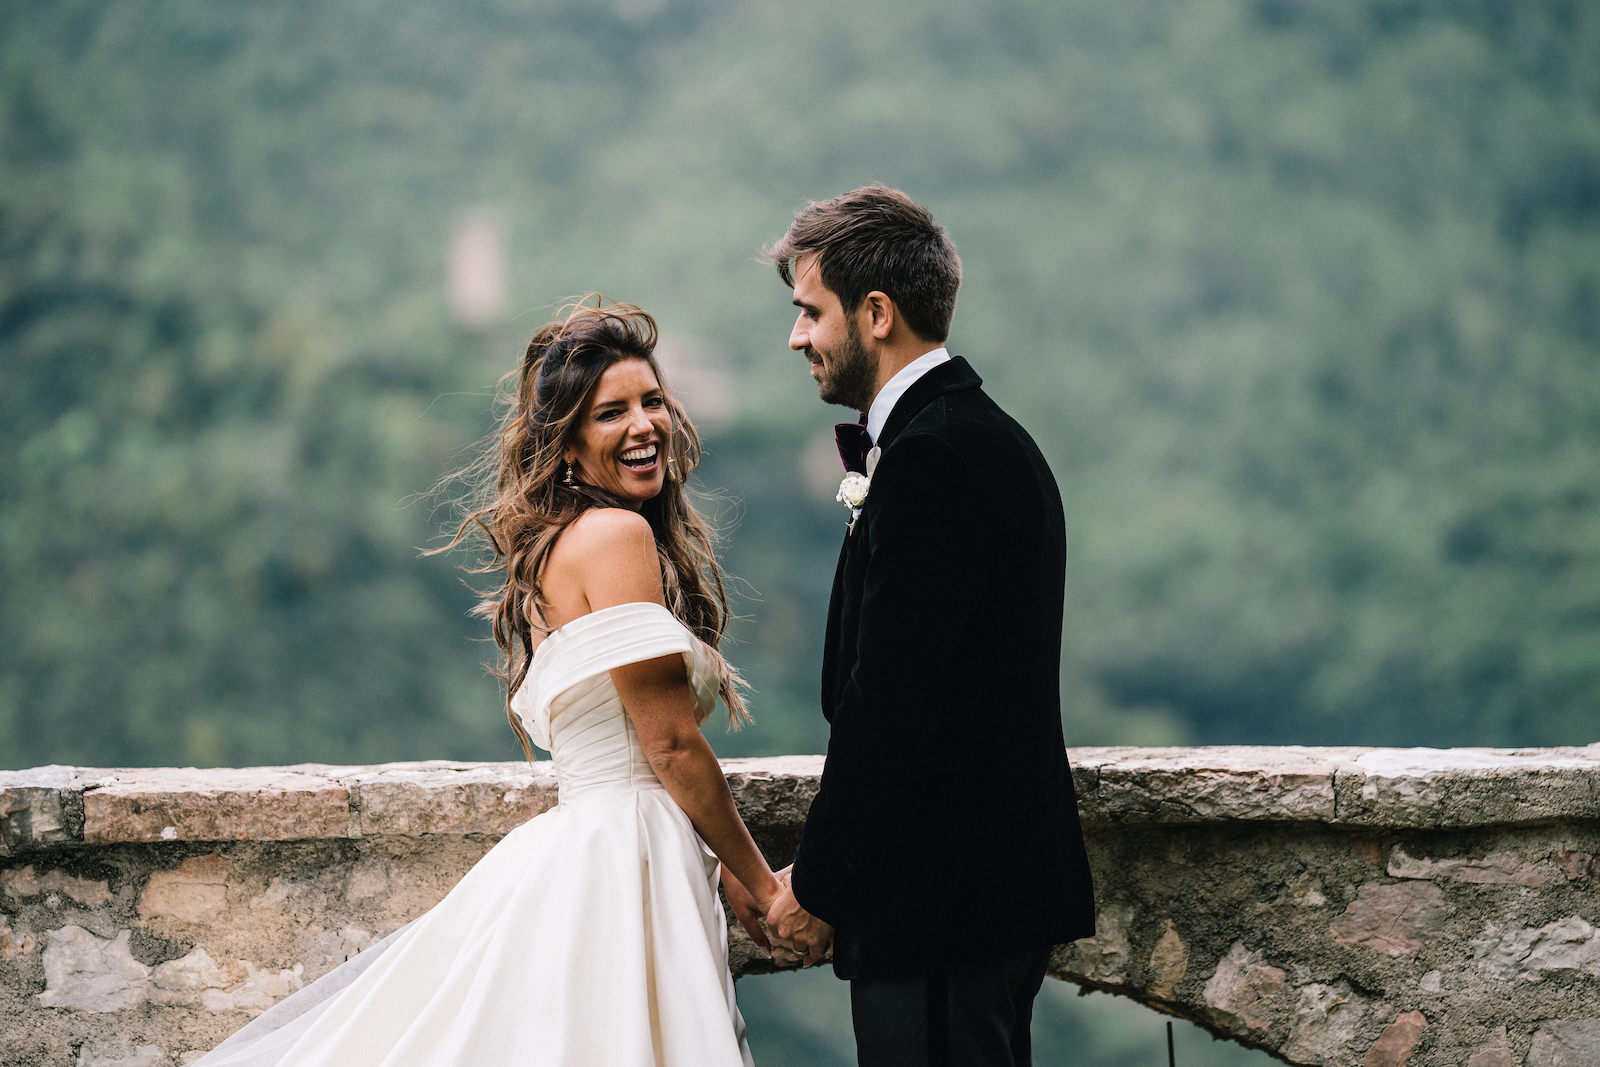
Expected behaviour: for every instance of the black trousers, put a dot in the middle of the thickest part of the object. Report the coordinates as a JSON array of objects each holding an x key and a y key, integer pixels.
[{"x": 970, "y": 1014}]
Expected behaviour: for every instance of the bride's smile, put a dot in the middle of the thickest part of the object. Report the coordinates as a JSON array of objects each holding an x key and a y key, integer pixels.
[{"x": 623, "y": 434}]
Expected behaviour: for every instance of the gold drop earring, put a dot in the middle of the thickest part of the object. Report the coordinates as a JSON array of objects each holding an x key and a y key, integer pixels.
[{"x": 567, "y": 478}]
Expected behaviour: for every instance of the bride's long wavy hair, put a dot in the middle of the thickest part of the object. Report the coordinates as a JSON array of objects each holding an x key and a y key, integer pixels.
[{"x": 520, "y": 503}]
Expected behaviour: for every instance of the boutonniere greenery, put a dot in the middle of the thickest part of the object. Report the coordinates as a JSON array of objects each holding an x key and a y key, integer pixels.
[{"x": 855, "y": 487}]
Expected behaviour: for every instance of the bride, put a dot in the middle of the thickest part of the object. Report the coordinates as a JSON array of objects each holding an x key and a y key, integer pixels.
[{"x": 591, "y": 934}]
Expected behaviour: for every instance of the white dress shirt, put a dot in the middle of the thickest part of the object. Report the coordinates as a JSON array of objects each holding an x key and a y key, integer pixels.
[{"x": 895, "y": 388}]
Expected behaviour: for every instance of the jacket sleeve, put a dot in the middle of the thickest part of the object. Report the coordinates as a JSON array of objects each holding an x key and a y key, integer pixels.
[{"x": 895, "y": 723}]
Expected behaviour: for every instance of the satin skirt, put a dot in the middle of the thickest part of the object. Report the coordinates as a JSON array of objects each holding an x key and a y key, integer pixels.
[{"x": 590, "y": 935}]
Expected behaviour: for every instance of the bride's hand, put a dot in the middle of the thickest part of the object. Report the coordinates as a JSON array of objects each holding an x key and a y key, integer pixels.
[{"x": 746, "y": 909}]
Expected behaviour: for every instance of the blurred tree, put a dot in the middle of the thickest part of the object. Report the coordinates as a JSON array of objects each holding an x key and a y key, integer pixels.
[{"x": 1299, "y": 297}]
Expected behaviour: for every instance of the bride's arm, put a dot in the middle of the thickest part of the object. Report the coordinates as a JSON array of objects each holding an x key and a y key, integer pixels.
[
  {"x": 656, "y": 695},
  {"x": 616, "y": 563}
]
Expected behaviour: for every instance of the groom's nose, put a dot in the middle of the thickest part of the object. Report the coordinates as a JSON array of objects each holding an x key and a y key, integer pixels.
[{"x": 799, "y": 337}]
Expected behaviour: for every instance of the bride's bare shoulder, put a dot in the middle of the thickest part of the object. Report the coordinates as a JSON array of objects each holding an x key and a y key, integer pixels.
[
  {"x": 606, "y": 532},
  {"x": 607, "y": 556}
]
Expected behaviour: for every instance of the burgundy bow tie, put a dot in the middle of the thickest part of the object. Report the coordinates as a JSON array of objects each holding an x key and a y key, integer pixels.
[{"x": 854, "y": 444}]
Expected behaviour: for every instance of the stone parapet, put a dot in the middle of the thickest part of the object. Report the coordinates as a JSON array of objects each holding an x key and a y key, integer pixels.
[
  {"x": 1425, "y": 789},
  {"x": 1332, "y": 906},
  {"x": 1415, "y": 788}
]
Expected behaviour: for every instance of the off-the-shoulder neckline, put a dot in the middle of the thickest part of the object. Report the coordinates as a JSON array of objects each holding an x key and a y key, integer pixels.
[{"x": 567, "y": 626}]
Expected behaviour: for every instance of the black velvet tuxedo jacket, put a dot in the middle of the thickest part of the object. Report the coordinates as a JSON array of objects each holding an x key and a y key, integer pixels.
[{"x": 946, "y": 825}]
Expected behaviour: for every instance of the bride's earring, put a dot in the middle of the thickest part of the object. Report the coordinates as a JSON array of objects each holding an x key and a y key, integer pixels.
[
  {"x": 672, "y": 471},
  {"x": 567, "y": 478}
]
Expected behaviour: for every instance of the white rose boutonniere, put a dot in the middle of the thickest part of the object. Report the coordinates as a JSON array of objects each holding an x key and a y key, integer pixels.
[
  {"x": 853, "y": 490},
  {"x": 855, "y": 487}
]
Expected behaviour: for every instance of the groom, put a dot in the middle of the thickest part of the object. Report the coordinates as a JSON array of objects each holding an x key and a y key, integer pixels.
[{"x": 942, "y": 856}]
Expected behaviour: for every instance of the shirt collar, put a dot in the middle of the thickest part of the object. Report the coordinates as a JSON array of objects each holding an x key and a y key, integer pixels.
[{"x": 895, "y": 388}]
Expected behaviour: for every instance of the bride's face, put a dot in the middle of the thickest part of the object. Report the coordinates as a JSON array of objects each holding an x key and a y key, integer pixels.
[{"x": 622, "y": 434}]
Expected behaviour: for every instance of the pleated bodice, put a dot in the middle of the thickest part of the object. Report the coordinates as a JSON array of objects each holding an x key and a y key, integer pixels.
[{"x": 570, "y": 707}]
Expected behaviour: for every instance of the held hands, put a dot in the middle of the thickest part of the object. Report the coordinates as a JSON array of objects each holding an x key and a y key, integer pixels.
[
  {"x": 746, "y": 908},
  {"x": 779, "y": 924},
  {"x": 797, "y": 935}
]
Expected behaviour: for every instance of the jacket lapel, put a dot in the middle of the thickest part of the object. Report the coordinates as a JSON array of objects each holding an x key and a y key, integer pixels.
[
  {"x": 945, "y": 378},
  {"x": 837, "y": 655}
]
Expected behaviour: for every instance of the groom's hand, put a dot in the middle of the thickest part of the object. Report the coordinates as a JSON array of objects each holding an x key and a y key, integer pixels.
[
  {"x": 745, "y": 909},
  {"x": 796, "y": 929}
]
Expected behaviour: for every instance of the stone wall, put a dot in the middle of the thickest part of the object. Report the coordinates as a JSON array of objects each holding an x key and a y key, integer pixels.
[{"x": 1332, "y": 906}]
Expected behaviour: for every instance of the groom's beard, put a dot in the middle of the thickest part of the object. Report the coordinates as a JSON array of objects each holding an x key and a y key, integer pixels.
[{"x": 850, "y": 374}]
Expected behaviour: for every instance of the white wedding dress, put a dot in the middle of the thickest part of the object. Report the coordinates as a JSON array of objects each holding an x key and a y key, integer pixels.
[{"x": 591, "y": 935}]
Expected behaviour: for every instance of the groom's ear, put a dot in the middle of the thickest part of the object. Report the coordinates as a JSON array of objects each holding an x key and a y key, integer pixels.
[{"x": 878, "y": 315}]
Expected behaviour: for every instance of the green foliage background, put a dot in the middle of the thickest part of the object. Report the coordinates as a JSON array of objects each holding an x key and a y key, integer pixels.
[{"x": 1301, "y": 298}]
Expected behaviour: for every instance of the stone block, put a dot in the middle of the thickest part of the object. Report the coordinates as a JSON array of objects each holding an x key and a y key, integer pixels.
[
  {"x": 1394, "y": 1046},
  {"x": 198, "y": 981},
  {"x": 1169, "y": 962},
  {"x": 1392, "y": 919},
  {"x": 94, "y": 1054},
  {"x": 184, "y": 980},
  {"x": 39, "y": 808},
  {"x": 1577, "y": 866},
  {"x": 1496, "y": 868},
  {"x": 1306, "y": 891},
  {"x": 436, "y": 797},
  {"x": 1244, "y": 992},
  {"x": 20, "y": 883},
  {"x": 1461, "y": 787},
  {"x": 260, "y": 990},
  {"x": 88, "y": 973},
  {"x": 246, "y": 804},
  {"x": 1103, "y": 958},
  {"x": 1570, "y": 1043},
  {"x": 1326, "y": 1020},
  {"x": 1568, "y": 947},
  {"x": 194, "y": 892},
  {"x": 1208, "y": 784},
  {"x": 14, "y": 944},
  {"x": 1496, "y": 1052},
  {"x": 774, "y": 791}
]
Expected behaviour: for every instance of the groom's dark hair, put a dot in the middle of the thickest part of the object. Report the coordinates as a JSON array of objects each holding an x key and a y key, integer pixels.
[{"x": 878, "y": 238}]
